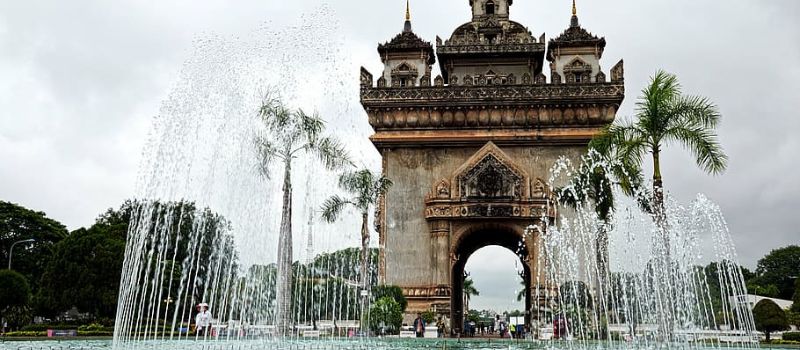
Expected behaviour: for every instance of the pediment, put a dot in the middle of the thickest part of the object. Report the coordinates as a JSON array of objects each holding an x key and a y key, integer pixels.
[{"x": 491, "y": 174}]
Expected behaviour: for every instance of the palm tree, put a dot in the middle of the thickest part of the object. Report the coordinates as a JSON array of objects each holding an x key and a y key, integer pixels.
[
  {"x": 469, "y": 291},
  {"x": 289, "y": 135},
  {"x": 593, "y": 184},
  {"x": 366, "y": 188},
  {"x": 665, "y": 116}
]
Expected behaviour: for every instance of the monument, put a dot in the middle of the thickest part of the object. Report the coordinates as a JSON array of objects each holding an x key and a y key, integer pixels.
[{"x": 469, "y": 150}]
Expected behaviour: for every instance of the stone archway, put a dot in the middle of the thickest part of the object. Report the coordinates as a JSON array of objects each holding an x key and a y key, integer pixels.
[
  {"x": 488, "y": 200},
  {"x": 479, "y": 235}
]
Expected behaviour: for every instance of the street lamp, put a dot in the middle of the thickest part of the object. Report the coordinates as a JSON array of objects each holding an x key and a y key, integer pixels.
[{"x": 11, "y": 250}]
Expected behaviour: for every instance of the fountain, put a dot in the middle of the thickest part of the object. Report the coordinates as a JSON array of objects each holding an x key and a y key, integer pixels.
[{"x": 205, "y": 229}]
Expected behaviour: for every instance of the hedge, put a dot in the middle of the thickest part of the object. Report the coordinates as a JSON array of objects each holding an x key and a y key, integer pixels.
[{"x": 794, "y": 336}]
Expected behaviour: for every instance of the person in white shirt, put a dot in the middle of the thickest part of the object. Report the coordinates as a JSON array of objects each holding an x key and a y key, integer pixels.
[{"x": 203, "y": 320}]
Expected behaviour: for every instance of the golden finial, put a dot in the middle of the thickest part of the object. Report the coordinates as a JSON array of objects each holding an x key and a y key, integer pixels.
[
  {"x": 574, "y": 9},
  {"x": 408, "y": 11}
]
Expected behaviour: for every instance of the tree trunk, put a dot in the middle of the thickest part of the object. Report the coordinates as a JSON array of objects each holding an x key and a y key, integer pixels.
[
  {"x": 284, "y": 291},
  {"x": 364, "y": 264},
  {"x": 601, "y": 289},
  {"x": 767, "y": 334},
  {"x": 663, "y": 269},
  {"x": 659, "y": 210},
  {"x": 364, "y": 250}
]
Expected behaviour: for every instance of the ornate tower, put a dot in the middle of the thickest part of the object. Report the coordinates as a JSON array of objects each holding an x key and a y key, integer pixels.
[
  {"x": 575, "y": 55},
  {"x": 407, "y": 59},
  {"x": 468, "y": 153}
]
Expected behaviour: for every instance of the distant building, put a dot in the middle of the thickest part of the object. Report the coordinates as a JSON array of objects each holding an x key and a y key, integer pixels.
[{"x": 751, "y": 300}]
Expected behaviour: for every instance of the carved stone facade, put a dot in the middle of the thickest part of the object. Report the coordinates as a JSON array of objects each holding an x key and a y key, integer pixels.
[{"x": 469, "y": 152}]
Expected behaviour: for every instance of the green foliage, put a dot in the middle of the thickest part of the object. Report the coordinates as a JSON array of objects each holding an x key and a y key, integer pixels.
[
  {"x": 469, "y": 289},
  {"x": 769, "y": 317},
  {"x": 386, "y": 312},
  {"x": 85, "y": 271},
  {"x": 14, "y": 292},
  {"x": 576, "y": 293},
  {"x": 769, "y": 291},
  {"x": 780, "y": 268},
  {"x": 18, "y": 223},
  {"x": 429, "y": 317},
  {"x": 393, "y": 292},
  {"x": 793, "y": 318},
  {"x": 792, "y": 336},
  {"x": 665, "y": 116}
]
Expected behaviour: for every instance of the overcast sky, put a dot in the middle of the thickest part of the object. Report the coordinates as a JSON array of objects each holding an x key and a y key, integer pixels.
[{"x": 80, "y": 82}]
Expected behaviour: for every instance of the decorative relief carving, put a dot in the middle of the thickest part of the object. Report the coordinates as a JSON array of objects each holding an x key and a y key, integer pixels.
[
  {"x": 541, "y": 79},
  {"x": 618, "y": 72},
  {"x": 526, "y": 79},
  {"x": 450, "y": 95},
  {"x": 490, "y": 178},
  {"x": 366, "y": 78},
  {"x": 600, "y": 77},
  {"x": 426, "y": 292},
  {"x": 438, "y": 81},
  {"x": 540, "y": 189},
  {"x": 555, "y": 77},
  {"x": 443, "y": 189}
]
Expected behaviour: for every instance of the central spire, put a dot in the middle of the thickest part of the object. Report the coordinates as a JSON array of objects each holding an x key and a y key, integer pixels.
[
  {"x": 574, "y": 21},
  {"x": 407, "y": 26}
]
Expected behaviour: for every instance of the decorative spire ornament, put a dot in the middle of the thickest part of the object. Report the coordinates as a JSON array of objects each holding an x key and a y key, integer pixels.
[
  {"x": 574, "y": 21},
  {"x": 407, "y": 26}
]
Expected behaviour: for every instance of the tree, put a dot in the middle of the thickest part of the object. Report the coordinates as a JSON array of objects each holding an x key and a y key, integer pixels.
[
  {"x": 386, "y": 312},
  {"x": 769, "y": 317},
  {"x": 469, "y": 291},
  {"x": 796, "y": 296},
  {"x": 18, "y": 223},
  {"x": 290, "y": 134},
  {"x": 665, "y": 116},
  {"x": 780, "y": 267},
  {"x": 14, "y": 291},
  {"x": 85, "y": 272},
  {"x": 593, "y": 184},
  {"x": 393, "y": 292},
  {"x": 365, "y": 188}
]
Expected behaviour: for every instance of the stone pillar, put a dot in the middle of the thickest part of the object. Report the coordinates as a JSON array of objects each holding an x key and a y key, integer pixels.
[{"x": 440, "y": 250}]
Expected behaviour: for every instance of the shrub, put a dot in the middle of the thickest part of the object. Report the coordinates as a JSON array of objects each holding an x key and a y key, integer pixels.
[
  {"x": 793, "y": 336},
  {"x": 769, "y": 317},
  {"x": 386, "y": 312}
]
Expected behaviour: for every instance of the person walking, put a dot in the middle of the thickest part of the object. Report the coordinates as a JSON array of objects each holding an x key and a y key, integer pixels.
[
  {"x": 419, "y": 326},
  {"x": 513, "y": 329},
  {"x": 440, "y": 330}
]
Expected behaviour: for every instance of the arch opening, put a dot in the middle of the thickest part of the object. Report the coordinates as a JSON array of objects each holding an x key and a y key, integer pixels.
[{"x": 471, "y": 242}]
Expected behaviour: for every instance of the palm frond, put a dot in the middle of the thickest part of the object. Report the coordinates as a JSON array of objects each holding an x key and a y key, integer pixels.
[
  {"x": 382, "y": 186},
  {"x": 703, "y": 144},
  {"x": 332, "y": 153},
  {"x": 695, "y": 110},
  {"x": 275, "y": 114},
  {"x": 267, "y": 152},
  {"x": 310, "y": 126},
  {"x": 333, "y": 207}
]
